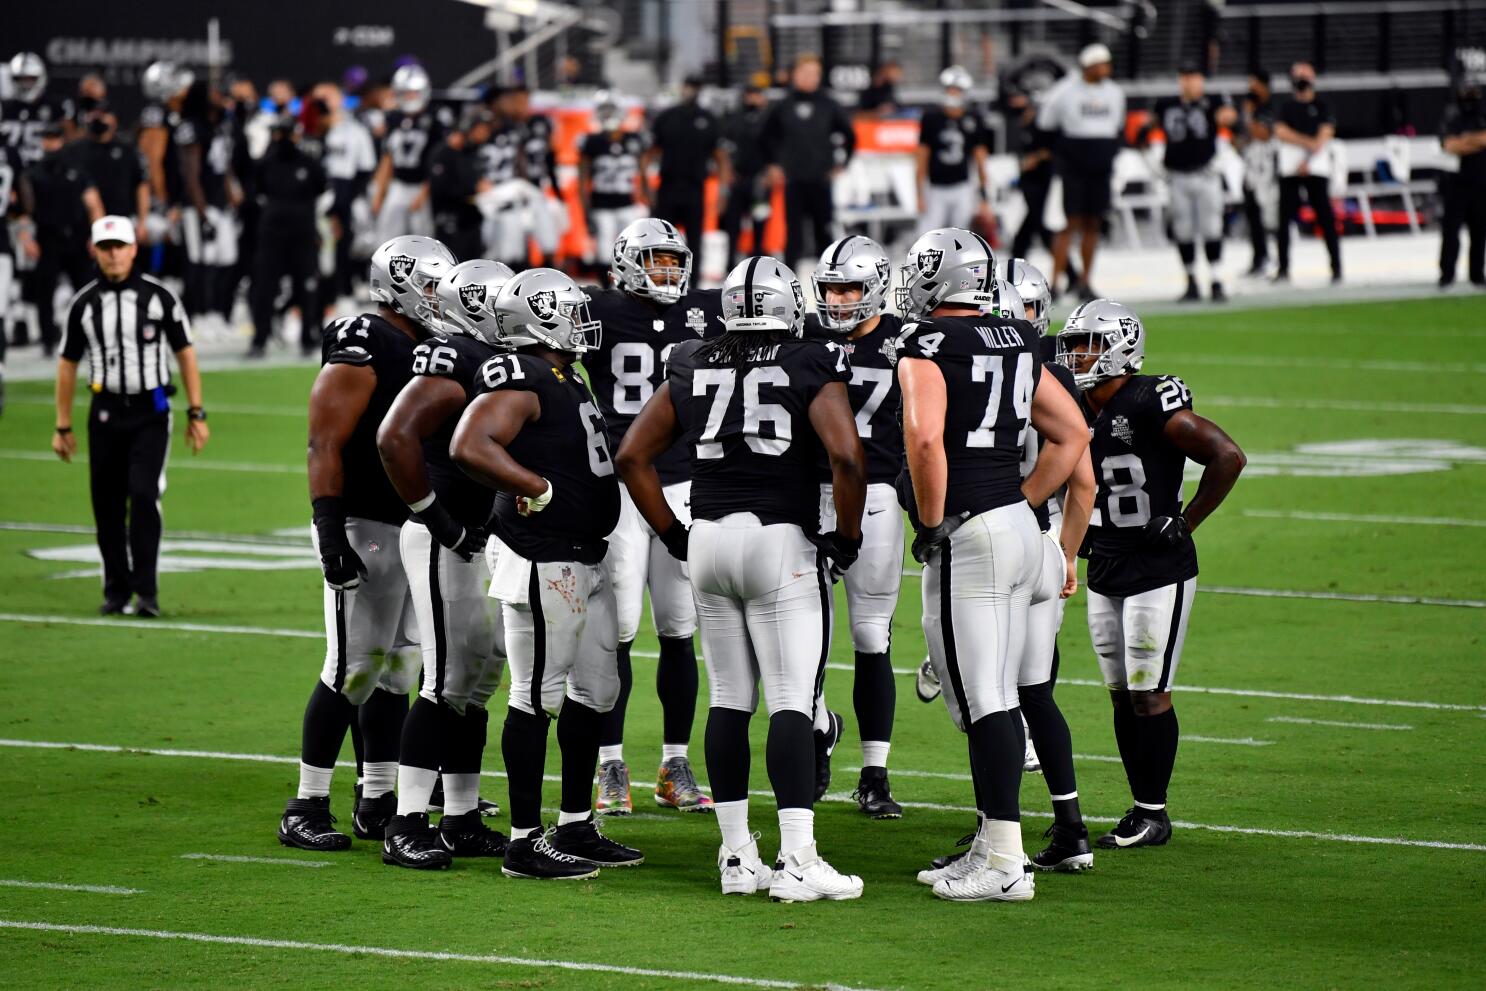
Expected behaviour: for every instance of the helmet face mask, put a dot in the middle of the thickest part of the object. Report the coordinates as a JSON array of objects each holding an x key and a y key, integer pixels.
[
  {"x": 1102, "y": 340},
  {"x": 638, "y": 269},
  {"x": 404, "y": 275},
  {"x": 762, "y": 295},
  {"x": 466, "y": 299},
  {"x": 544, "y": 307},
  {"x": 948, "y": 265},
  {"x": 854, "y": 261},
  {"x": 410, "y": 88},
  {"x": 1032, "y": 286},
  {"x": 27, "y": 76}
]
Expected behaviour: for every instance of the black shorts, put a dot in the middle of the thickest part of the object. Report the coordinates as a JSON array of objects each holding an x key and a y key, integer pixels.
[{"x": 1086, "y": 192}]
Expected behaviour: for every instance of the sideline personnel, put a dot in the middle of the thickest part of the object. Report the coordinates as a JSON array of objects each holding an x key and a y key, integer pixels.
[{"x": 122, "y": 322}]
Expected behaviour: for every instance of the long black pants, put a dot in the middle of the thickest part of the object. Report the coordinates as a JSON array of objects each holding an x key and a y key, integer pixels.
[
  {"x": 282, "y": 251},
  {"x": 128, "y": 440},
  {"x": 1319, "y": 197},
  {"x": 63, "y": 252},
  {"x": 682, "y": 204},
  {"x": 807, "y": 201},
  {"x": 741, "y": 200},
  {"x": 1464, "y": 203}
]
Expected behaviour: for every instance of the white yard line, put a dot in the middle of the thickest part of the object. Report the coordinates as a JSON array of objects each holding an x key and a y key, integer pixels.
[
  {"x": 1245, "y": 741},
  {"x": 1280, "y": 361},
  {"x": 1336, "y": 722},
  {"x": 437, "y": 955},
  {"x": 148, "y": 624},
  {"x": 1260, "y": 693},
  {"x": 277, "y": 861},
  {"x": 1291, "y": 514},
  {"x": 91, "y": 889},
  {"x": 1343, "y": 405},
  {"x": 289, "y": 536},
  {"x": 205, "y": 464}
]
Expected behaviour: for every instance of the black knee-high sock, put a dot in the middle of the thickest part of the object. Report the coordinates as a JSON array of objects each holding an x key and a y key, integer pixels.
[
  {"x": 728, "y": 754},
  {"x": 481, "y": 717},
  {"x": 578, "y": 729},
  {"x": 1188, "y": 251},
  {"x": 790, "y": 757},
  {"x": 1158, "y": 741},
  {"x": 875, "y": 696},
  {"x": 1054, "y": 748},
  {"x": 994, "y": 740},
  {"x": 1214, "y": 251},
  {"x": 612, "y": 733},
  {"x": 425, "y": 735},
  {"x": 676, "y": 685},
  {"x": 977, "y": 775},
  {"x": 327, "y": 715},
  {"x": 380, "y": 718},
  {"x": 1127, "y": 739},
  {"x": 523, "y": 747}
]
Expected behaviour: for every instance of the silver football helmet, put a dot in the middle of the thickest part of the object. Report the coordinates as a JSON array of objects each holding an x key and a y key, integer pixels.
[
  {"x": 405, "y": 272},
  {"x": 1007, "y": 303},
  {"x": 1032, "y": 286},
  {"x": 411, "y": 88},
  {"x": 763, "y": 294},
  {"x": 466, "y": 298},
  {"x": 607, "y": 112},
  {"x": 164, "y": 79},
  {"x": 852, "y": 260},
  {"x": 27, "y": 76},
  {"x": 634, "y": 270},
  {"x": 1108, "y": 330},
  {"x": 948, "y": 265},
  {"x": 543, "y": 306},
  {"x": 956, "y": 77}
]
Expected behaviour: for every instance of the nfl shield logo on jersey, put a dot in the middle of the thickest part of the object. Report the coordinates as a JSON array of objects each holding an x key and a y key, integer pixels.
[
  {"x": 1120, "y": 427},
  {"x": 400, "y": 267},
  {"x": 472, "y": 296},
  {"x": 543, "y": 304},
  {"x": 928, "y": 262}
]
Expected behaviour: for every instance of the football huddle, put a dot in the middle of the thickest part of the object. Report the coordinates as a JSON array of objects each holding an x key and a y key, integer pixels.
[{"x": 503, "y": 465}]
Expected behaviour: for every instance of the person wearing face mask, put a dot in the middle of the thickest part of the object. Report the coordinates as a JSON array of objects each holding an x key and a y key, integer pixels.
[
  {"x": 288, "y": 182},
  {"x": 66, "y": 202},
  {"x": 952, "y": 143},
  {"x": 350, "y": 158},
  {"x": 118, "y": 170},
  {"x": 1463, "y": 134},
  {"x": 1304, "y": 127}
]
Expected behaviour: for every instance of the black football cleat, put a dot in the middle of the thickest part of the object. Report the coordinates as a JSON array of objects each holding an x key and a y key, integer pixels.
[
  {"x": 1140, "y": 827},
  {"x": 874, "y": 796},
  {"x": 825, "y": 745},
  {"x": 940, "y": 863},
  {"x": 1193, "y": 294},
  {"x": 411, "y": 842},
  {"x": 307, "y": 824},
  {"x": 467, "y": 836},
  {"x": 586, "y": 841},
  {"x": 534, "y": 858},
  {"x": 146, "y": 607},
  {"x": 1068, "y": 852},
  {"x": 372, "y": 814},
  {"x": 487, "y": 809},
  {"x": 114, "y": 607},
  {"x": 1218, "y": 295}
]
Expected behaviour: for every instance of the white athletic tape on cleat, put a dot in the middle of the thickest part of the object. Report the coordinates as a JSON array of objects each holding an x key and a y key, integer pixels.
[
  {"x": 91, "y": 889},
  {"x": 235, "y": 859}
]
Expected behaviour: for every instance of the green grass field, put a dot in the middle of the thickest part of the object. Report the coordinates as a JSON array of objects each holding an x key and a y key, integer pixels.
[{"x": 1335, "y": 825}]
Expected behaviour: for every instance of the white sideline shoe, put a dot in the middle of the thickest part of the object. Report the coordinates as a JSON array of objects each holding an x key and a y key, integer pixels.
[
  {"x": 804, "y": 877},
  {"x": 743, "y": 873}
]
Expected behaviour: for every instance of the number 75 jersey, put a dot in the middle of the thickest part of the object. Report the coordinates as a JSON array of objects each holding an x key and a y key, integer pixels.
[{"x": 1139, "y": 474}]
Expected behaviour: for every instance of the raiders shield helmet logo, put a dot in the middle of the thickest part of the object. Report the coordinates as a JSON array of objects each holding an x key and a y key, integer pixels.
[
  {"x": 400, "y": 268},
  {"x": 884, "y": 270},
  {"x": 928, "y": 262},
  {"x": 472, "y": 296},
  {"x": 799, "y": 294},
  {"x": 543, "y": 305}
]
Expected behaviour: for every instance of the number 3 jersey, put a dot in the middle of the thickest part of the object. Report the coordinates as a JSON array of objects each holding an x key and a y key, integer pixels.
[
  {"x": 990, "y": 368},
  {"x": 630, "y": 363},
  {"x": 745, "y": 419},
  {"x": 565, "y": 444},
  {"x": 457, "y": 358},
  {"x": 1139, "y": 473}
]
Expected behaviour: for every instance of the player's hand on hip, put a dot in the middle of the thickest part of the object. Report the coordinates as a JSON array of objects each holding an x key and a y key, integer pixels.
[
  {"x": 64, "y": 444},
  {"x": 1166, "y": 531},
  {"x": 531, "y": 505}
]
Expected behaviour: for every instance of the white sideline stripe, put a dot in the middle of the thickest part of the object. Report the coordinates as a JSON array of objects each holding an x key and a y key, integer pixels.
[
  {"x": 248, "y": 409},
  {"x": 92, "y": 889},
  {"x": 766, "y": 793},
  {"x": 150, "y": 624},
  {"x": 1277, "y": 514},
  {"x": 440, "y": 955},
  {"x": 1335, "y": 722},
  {"x": 240, "y": 538},
  {"x": 204, "y": 464},
  {"x": 235, "y": 859},
  {"x": 1345, "y": 405}
]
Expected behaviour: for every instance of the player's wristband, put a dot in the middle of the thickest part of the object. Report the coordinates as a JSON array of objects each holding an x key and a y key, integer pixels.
[
  {"x": 64, "y": 430},
  {"x": 196, "y": 413}
]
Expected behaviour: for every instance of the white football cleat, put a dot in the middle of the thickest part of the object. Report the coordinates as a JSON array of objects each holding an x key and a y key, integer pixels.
[
  {"x": 926, "y": 682},
  {"x": 1004, "y": 883},
  {"x": 803, "y": 876},
  {"x": 978, "y": 856},
  {"x": 1031, "y": 764},
  {"x": 743, "y": 873}
]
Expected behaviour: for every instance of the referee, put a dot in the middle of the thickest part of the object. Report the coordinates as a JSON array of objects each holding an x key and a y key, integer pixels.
[{"x": 123, "y": 322}]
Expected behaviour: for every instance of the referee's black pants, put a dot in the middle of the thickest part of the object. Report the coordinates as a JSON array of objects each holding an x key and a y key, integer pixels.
[
  {"x": 807, "y": 202},
  {"x": 128, "y": 440},
  {"x": 1318, "y": 195}
]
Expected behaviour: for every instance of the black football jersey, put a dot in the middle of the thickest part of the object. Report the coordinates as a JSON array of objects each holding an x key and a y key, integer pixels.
[
  {"x": 874, "y": 392},
  {"x": 1139, "y": 474},
  {"x": 1191, "y": 131},
  {"x": 537, "y": 156},
  {"x": 614, "y": 165},
  {"x": 410, "y": 142},
  {"x": 1034, "y": 442},
  {"x": 565, "y": 445},
  {"x": 951, "y": 142},
  {"x": 215, "y": 141},
  {"x": 22, "y": 121},
  {"x": 746, "y": 422},
  {"x": 990, "y": 367},
  {"x": 10, "y": 170},
  {"x": 364, "y": 341},
  {"x": 499, "y": 156},
  {"x": 456, "y": 357},
  {"x": 630, "y": 363}
]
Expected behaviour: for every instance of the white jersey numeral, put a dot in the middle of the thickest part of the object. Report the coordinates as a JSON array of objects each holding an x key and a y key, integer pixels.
[
  {"x": 433, "y": 360},
  {"x": 725, "y": 380},
  {"x": 1173, "y": 392},
  {"x": 991, "y": 365},
  {"x": 755, "y": 412},
  {"x": 495, "y": 371},
  {"x": 599, "y": 461},
  {"x": 881, "y": 380},
  {"x": 1119, "y": 492},
  {"x": 633, "y": 363}
]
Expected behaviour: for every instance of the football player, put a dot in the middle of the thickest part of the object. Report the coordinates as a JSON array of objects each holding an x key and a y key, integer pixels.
[
  {"x": 358, "y": 516},
  {"x": 972, "y": 384},
  {"x": 534, "y": 435},
  {"x": 400, "y": 187},
  {"x": 851, "y": 284},
  {"x": 755, "y": 408},
  {"x": 1142, "y": 571},
  {"x": 443, "y": 552},
  {"x": 202, "y": 142},
  {"x": 649, "y": 311},
  {"x": 29, "y": 111},
  {"x": 609, "y": 181}
]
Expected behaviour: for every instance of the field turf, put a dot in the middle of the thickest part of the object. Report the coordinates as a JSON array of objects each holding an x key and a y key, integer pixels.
[{"x": 1331, "y": 821}]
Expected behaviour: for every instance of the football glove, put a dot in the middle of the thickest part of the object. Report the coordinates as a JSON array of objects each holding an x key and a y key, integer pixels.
[
  {"x": 676, "y": 539},
  {"x": 841, "y": 552},
  {"x": 927, "y": 540},
  {"x": 342, "y": 566},
  {"x": 1167, "y": 531},
  {"x": 443, "y": 527},
  {"x": 208, "y": 235},
  {"x": 529, "y": 505}
]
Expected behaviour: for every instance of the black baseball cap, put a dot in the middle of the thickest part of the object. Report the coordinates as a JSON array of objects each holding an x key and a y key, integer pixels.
[{"x": 1191, "y": 68}]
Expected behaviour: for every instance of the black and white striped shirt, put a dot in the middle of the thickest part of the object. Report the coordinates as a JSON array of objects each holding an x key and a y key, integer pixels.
[{"x": 124, "y": 328}]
